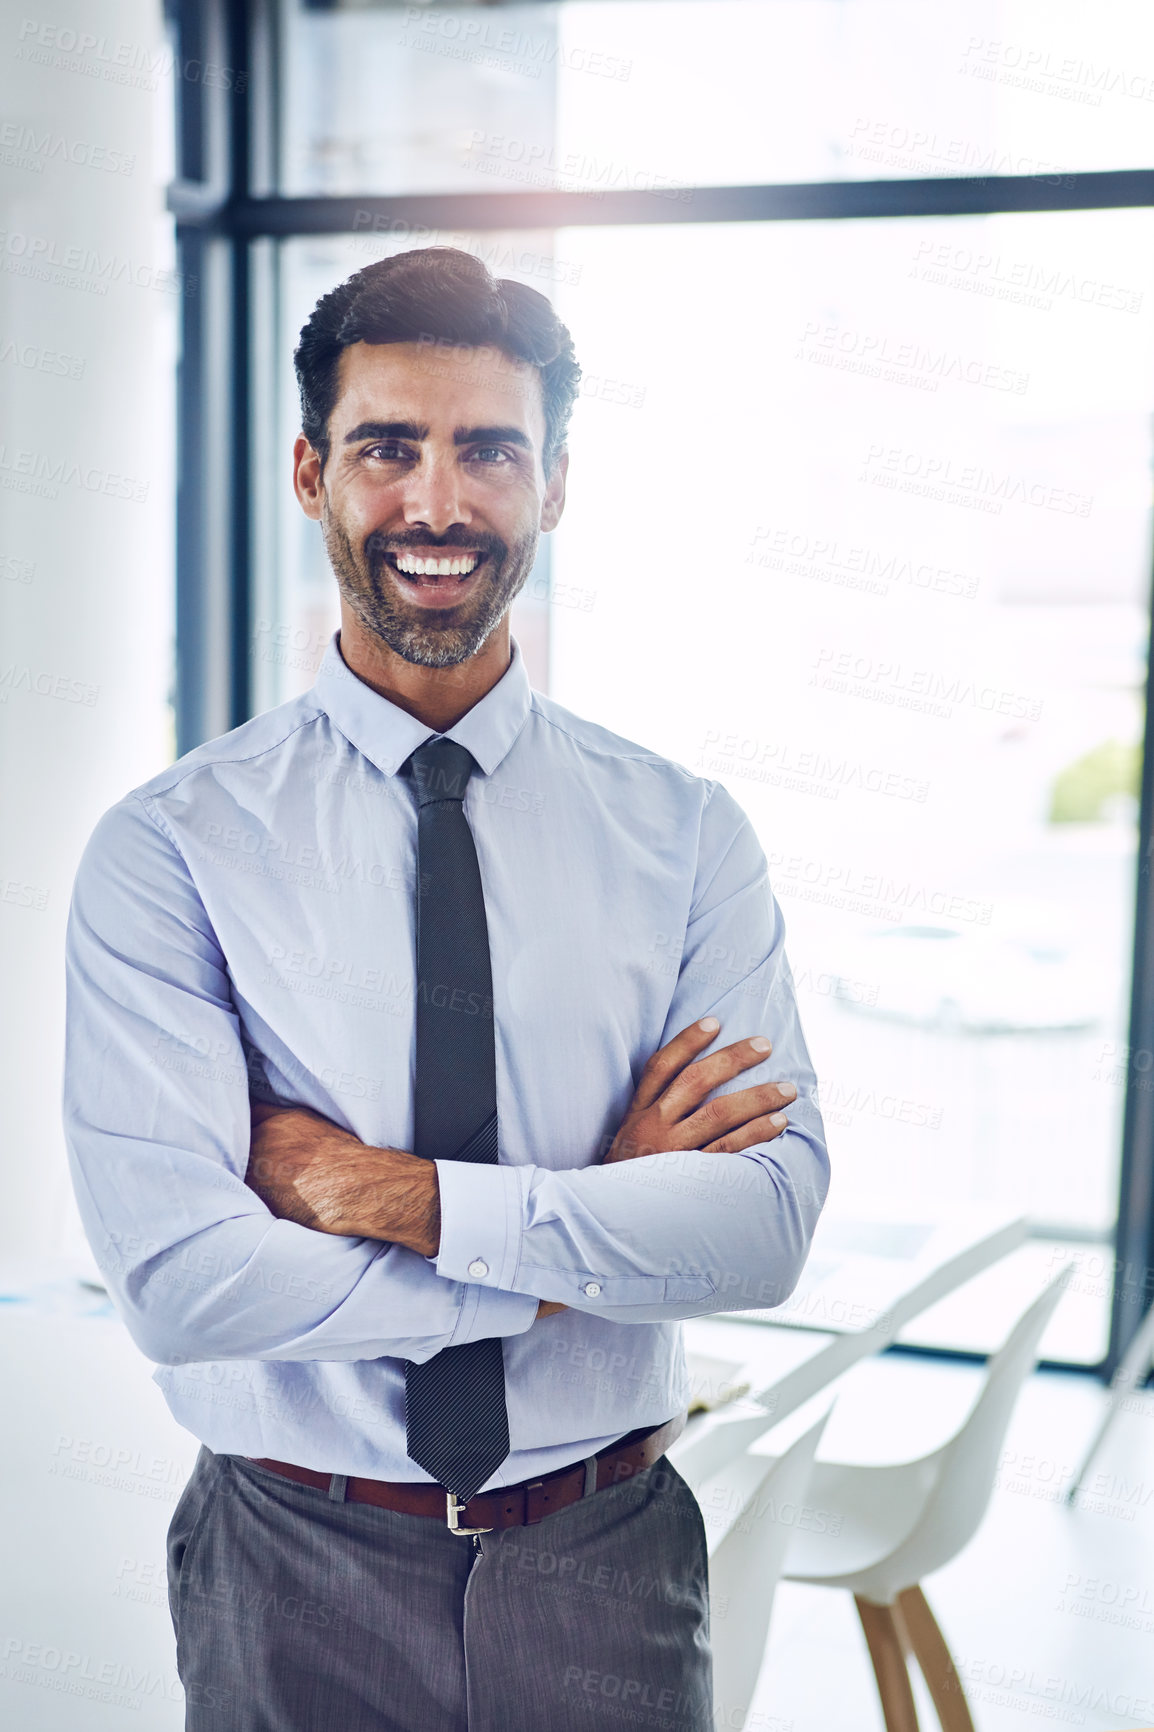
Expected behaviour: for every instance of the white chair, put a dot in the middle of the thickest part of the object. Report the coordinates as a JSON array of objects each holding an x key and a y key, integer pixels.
[
  {"x": 710, "y": 1442},
  {"x": 751, "y": 1510},
  {"x": 899, "y": 1523}
]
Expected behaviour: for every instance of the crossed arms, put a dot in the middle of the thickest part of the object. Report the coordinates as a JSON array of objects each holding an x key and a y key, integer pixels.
[
  {"x": 333, "y": 1250},
  {"x": 308, "y": 1170}
]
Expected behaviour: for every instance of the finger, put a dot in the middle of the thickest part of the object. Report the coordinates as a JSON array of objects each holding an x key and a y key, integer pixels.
[
  {"x": 729, "y": 1112},
  {"x": 672, "y": 1058},
  {"x": 711, "y": 1121},
  {"x": 687, "y": 1091},
  {"x": 762, "y": 1130}
]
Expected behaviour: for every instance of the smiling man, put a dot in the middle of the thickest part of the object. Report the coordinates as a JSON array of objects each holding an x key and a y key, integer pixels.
[{"x": 395, "y": 1104}]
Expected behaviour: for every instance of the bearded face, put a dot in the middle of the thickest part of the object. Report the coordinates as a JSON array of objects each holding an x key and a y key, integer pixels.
[
  {"x": 432, "y": 495},
  {"x": 432, "y": 601}
]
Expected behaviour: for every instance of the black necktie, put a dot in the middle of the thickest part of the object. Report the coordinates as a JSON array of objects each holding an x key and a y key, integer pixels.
[{"x": 458, "y": 1428}]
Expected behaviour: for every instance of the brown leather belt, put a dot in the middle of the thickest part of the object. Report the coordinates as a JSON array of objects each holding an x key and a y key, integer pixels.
[{"x": 513, "y": 1506}]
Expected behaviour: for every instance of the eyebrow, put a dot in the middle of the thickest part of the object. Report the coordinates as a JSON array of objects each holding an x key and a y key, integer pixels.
[
  {"x": 386, "y": 430},
  {"x": 491, "y": 436},
  {"x": 412, "y": 430}
]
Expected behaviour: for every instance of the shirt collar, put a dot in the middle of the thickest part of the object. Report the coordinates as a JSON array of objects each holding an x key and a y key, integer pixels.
[{"x": 386, "y": 734}]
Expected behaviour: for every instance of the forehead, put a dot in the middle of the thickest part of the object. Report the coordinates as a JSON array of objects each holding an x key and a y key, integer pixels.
[{"x": 444, "y": 385}]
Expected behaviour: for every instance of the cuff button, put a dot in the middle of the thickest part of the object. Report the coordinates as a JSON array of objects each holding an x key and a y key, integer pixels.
[
  {"x": 591, "y": 1289},
  {"x": 479, "y": 1268}
]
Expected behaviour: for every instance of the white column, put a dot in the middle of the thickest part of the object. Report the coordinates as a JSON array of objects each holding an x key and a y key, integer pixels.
[{"x": 88, "y": 322}]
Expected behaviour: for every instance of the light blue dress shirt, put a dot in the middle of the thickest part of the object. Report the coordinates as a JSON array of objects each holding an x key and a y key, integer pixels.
[{"x": 246, "y": 919}]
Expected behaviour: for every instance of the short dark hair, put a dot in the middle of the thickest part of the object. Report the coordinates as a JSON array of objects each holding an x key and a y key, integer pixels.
[{"x": 443, "y": 295}]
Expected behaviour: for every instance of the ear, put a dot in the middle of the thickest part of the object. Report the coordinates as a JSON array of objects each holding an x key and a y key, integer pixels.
[
  {"x": 554, "y": 502},
  {"x": 308, "y": 480}
]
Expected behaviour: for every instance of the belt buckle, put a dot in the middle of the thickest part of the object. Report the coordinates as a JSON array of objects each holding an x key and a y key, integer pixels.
[{"x": 453, "y": 1508}]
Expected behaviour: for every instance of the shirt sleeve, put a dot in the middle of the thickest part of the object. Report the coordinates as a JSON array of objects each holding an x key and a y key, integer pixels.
[
  {"x": 683, "y": 1233},
  {"x": 156, "y": 1114}
]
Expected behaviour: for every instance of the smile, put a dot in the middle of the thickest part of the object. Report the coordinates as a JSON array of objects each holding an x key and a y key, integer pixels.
[{"x": 457, "y": 565}]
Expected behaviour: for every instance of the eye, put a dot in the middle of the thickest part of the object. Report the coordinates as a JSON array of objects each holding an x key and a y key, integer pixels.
[
  {"x": 388, "y": 451},
  {"x": 495, "y": 454}
]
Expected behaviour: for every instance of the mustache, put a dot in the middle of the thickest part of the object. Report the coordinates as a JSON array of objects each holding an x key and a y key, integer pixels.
[{"x": 379, "y": 544}]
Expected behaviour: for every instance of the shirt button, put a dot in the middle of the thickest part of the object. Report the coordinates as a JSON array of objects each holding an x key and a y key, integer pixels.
[
  {"x": 591, "y": 1289},
  {"x": 478, "y": 1267}
]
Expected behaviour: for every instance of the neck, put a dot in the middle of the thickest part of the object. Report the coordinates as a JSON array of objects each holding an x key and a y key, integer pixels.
[{"x": 438, "y": 697}]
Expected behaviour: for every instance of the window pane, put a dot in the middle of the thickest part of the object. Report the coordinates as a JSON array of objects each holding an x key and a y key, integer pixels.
[
  {"x": 667, "y": 95},
  {"x": 863, "y": 510}
]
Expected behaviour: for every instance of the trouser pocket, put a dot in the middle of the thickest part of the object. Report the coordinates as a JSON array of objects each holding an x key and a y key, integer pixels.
[{"x": 185, "y": 1526}]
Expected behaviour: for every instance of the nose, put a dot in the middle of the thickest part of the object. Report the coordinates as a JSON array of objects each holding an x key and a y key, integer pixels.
[{"x": 435, "y": 493}]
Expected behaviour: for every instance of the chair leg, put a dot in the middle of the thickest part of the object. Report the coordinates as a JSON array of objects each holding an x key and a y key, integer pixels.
[
  {"x": 937, "y": 1668},
  {"x": 889, "y": 1663},
  {"x": 903, "y": 1634}
]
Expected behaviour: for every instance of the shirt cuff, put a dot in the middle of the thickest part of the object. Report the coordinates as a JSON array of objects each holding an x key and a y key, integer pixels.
[
  {"x": 482, "y": 1220},
  {"x": 488, "y": 1311}
]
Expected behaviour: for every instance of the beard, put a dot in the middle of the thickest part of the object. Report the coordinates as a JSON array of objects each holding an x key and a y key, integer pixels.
[{"x": 428, "y": 639}]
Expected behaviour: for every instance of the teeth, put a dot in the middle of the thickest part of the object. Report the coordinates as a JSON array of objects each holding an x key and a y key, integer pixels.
[{"x": 411, "y": 566}]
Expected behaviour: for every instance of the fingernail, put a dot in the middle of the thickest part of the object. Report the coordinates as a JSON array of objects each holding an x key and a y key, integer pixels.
[
  {"x": 786, "y": 1089},
  {"x": 779, "y": 1118},
  {"x": 759, "y": 1043},
  {"x": 709, "y": 1025}
]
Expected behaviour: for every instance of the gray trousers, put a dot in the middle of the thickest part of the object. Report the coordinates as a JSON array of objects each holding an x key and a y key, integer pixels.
[{"x": 296, "y": 1613}]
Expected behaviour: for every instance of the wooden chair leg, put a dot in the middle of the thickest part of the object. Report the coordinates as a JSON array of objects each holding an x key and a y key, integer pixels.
[
  {"x": 903, "y": 1634},
  {"x": 937, "y": 1668},
  {"x": 889, "y": 1664}
]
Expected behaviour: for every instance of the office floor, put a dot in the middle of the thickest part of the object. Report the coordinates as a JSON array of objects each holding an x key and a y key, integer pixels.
[{"x": 1050, "y": 1611}]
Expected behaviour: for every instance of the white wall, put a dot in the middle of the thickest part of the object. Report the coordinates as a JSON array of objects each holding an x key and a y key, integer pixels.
[{"x": 88, "y": 322}]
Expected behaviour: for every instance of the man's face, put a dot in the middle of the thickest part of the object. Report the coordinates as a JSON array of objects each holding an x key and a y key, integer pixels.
[{"x": 433, "y": 495}]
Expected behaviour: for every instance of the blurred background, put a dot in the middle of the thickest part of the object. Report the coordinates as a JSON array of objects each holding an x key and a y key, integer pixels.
[{"x": 859, "y": 517}]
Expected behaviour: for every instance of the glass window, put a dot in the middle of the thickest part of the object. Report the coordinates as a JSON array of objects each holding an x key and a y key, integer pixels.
[
  {"x": 881, "y": 566},
  {"x": 668, "y": 95}
]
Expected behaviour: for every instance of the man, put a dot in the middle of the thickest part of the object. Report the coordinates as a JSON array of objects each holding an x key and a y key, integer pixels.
[{"x": 396, "y": 1113}]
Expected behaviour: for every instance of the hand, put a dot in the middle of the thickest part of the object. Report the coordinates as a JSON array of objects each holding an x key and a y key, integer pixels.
[
  {"x": 306, "y": 1169},
  {"x": 667, "y": 1110}
]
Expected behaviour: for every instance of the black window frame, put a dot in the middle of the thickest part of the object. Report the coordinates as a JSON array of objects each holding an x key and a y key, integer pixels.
[{"x": 226, "y": 92}]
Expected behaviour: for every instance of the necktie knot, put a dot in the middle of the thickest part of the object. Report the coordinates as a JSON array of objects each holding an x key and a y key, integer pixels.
[{"x": 439, "y": 770}]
